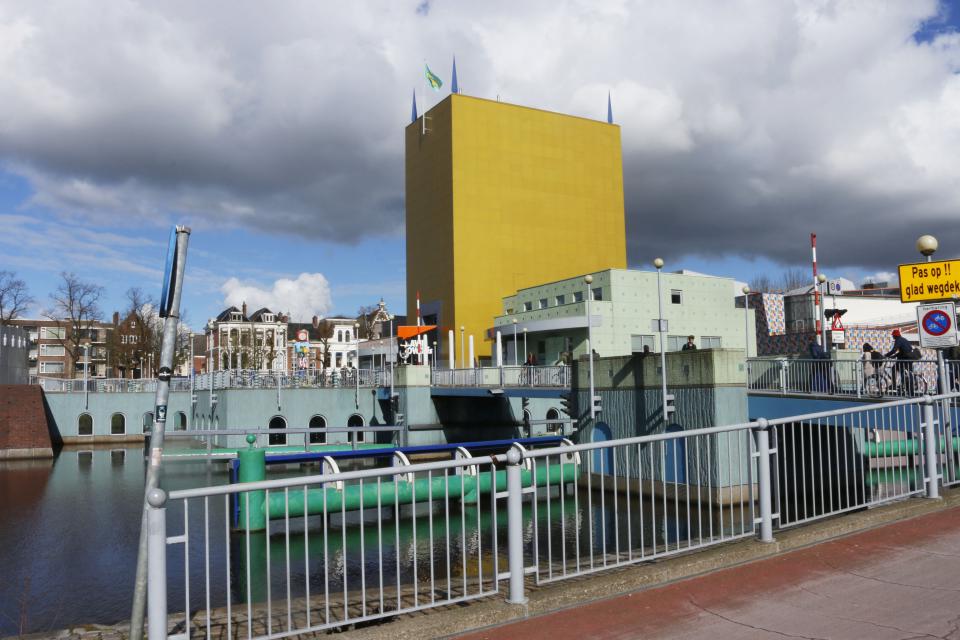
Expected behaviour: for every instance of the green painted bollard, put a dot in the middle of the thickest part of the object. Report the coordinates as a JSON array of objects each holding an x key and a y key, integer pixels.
[{"x": 253, "y": 468}]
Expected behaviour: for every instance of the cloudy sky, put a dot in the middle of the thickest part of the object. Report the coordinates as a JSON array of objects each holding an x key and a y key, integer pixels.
[{"x": 275, "y": 130}]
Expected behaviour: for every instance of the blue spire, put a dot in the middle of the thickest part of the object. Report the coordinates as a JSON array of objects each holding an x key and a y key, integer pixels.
[
  {"x": 413, "y": 113},
  {"x": 609, "y": 109},
  {"x": 453, "y": 83}
]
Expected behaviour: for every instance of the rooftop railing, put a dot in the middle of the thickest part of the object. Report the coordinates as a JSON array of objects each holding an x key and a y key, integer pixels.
[{"x": 510, "y": 376}]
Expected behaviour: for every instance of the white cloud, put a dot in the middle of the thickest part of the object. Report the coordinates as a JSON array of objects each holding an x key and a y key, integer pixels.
[{"x": 303, "y": 298}]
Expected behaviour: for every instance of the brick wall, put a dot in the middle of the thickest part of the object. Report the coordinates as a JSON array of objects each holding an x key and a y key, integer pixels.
[{"x": 23, "y": 423}]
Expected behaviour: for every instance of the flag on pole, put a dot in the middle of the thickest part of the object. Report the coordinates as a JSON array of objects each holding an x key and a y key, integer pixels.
[{"x": 432, "y": 79}]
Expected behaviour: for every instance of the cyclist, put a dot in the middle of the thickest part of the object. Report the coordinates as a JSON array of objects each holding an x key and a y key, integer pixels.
[{"x": 903, "y": 351}]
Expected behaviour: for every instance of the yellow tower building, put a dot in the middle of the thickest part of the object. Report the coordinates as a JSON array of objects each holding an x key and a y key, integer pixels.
[{"x": 500, "y": 197}]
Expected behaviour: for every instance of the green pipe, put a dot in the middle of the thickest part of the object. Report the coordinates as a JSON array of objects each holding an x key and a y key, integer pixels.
[
  {"x": 253, "y": 468},
  {"x": 901, "y": 447},
  {"x": 895, "y": 475}
]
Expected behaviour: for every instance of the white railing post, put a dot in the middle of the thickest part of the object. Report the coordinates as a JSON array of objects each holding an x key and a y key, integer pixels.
[
  {"x": 515, "y": 526},
  {"x": 762, "y": 436},
  {"x": 156, "y": 565},
  {"x": 931, "y": 449}
]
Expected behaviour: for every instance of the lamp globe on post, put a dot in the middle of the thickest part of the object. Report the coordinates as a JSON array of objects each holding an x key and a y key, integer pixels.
[
  {"x": 746, "y": 321},
  {"x": 658, "y": 263},
  {"x": 927, "y": 246}
]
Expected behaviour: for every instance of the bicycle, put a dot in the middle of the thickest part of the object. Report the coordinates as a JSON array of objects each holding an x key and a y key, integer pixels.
[{"x": 883, "y": 382}]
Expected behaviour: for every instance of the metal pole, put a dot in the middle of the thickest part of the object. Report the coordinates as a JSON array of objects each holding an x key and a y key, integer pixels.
[
  {"x": 762, "y": 437},
  {"x": 156, "y": 434},
  {"x": 524, "y": 344},
  {"x": 470, "y": 352},
  {"x": 588, "y": 279},
  {"x": 157, "y": 565},
  {"x": 930, "y": 449},
  {"x": 663, "y": 346},
  {"x": 515, "y": 345},
  {"x": 393, "y": 354},
  {"x": 947, "y": 426},
  {"x": 451, "y": 351},
  {"x": 515, "y": 526},
  {"x": 462, "y": 352},
  {"x": 746, "y": 324}
]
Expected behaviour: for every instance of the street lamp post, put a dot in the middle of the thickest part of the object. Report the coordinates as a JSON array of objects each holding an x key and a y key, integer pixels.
[
  {"x": 746, "y": 322},
  {"x": 463, "y": 364},
  {"x": 525, "y": 344},
  {"x": 658, "y": 263},
  {"x": 356, "y": 374},
  {"x": 515, "y": 345},
  {"x": 588, "y": 280},
  {"x": 393, "y": 355},
  {"x": 86, "y": 386}
]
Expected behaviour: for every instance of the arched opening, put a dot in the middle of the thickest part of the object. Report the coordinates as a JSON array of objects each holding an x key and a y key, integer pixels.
[
  {"x": 355, "y": 422},
  {"x": 146, "y": 423},
  {"x": 318, "y": 422},
  {"x": 85, "y": 424},
  {"x": 278, "y": 423},
  {"x": 553, "y": 414},
  {"x": 180, "y": 421},
  {"x": 118, "y": 424}
]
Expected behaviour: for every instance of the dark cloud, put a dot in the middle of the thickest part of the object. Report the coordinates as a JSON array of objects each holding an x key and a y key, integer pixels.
[{"x": 745, "y": 126}]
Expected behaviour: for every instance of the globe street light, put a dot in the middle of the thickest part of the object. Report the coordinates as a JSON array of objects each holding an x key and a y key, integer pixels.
[
  {"x": 588, "y": 280},
  {"x": 746, "y": 322},
  {"x": 927, "y": 245},
  {"x": 658, "y": 263}
]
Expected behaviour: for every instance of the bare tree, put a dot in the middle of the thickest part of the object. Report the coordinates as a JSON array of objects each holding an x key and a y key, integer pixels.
[
  {"x": 366, "y": 316},
  {"x": 324, "y": 333},
  {"x": 761, "y": 283},
  {"x": 76, "y": 307},
  {"x": 794, "y": 278},
  {"x": 14, "y": 297}
]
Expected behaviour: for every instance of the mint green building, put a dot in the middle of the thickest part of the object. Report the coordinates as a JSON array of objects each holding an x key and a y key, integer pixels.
[{"x": 552, "y": 317}]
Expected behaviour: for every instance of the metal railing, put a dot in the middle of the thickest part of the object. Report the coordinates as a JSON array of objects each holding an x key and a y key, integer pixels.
[
  {"x": 509, "y": 376},
  {"x": 857, "y": 378},
  {"x": 228, "y": 379},
  {"x": 284, "y": 557}
]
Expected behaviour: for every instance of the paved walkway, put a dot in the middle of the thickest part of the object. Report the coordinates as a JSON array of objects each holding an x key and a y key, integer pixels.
[{"x": 898, "y": 581}]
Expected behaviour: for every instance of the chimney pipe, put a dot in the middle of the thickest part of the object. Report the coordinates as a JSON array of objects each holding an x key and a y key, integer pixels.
[
  {"x": 316, "y": 322},
  {"x": 244, "y": 310}
]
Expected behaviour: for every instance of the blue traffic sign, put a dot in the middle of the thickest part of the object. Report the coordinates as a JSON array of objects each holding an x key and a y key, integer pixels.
[{"x": 936, "y": 322}]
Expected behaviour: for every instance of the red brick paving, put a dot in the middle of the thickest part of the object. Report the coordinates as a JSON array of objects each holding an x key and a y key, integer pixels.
[{"x": 898, "y": 581}]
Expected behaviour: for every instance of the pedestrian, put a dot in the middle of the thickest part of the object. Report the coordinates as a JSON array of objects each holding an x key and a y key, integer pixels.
[
  {"x": 690, "y": 346},
  {"x": 819, "y": 370}
]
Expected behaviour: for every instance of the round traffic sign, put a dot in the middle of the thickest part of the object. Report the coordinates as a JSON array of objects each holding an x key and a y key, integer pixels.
[{"x": 936, "y": 322}]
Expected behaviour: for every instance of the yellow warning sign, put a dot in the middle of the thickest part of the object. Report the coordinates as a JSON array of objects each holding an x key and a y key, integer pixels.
[{"x": 925, "y": 281}]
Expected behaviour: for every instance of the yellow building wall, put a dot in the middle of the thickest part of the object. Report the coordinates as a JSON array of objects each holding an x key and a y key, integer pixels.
[{"x": 502, "y": 197}]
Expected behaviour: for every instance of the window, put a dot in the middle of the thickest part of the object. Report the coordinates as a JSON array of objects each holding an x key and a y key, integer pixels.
[
  {"x": 339, "y": 336},
  {"x": 51, "y": 333},
  {"x": 710, "y": 342},
  {"x": 346, "y": 335},
  {"x": 318, "y": 422},
  {"x": 355, "y": 421},
  {"x": 675, "y": 343},
  {"x": 638, "y": 342},
  {"x": 236, "y": 316},
  {"x": 180, "y": 421},
  {"x": 118, "y": 424},
  {"x": 543, "y": 303},
  {"x": 278, "y": 423},
  {"x": 598, "y": 293},
  {"x": 133, "y": 324},
  {"x": 85, "y": 425},
  {"x": 146, "y": 422},
  {"x": 51, "y": 367},
  {"x": 676, "y": 296},
  {"x": 561, "y": 299},
  {"x": 528, "y": 306},
  {"x": 52, "y": 350},
  {"x": 578, "y": 296}
]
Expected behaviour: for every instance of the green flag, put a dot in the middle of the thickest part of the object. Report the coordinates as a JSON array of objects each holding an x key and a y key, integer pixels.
[{"x": 432, "y": 79}]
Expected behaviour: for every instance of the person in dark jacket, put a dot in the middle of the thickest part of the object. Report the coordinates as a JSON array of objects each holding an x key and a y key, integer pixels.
[
  {"x": 690, "y": 346},
  {"x": 903, "y": 352},
  {"x": 819, "y": 377}
]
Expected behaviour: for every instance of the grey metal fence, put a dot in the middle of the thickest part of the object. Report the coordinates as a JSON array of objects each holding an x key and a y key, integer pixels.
[
  {"x": 295, "y": 555},
  {"x": 507, "y": 376},
  {"x": 857, "y": 378}
]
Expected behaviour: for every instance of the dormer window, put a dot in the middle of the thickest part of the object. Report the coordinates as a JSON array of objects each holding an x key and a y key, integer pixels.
[
  {"x": 268, "y": 317},
  {"x": 235, "y": 316}
]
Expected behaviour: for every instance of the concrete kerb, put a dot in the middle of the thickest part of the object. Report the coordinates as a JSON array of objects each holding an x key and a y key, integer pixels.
[{"x": 455, "y": 619}]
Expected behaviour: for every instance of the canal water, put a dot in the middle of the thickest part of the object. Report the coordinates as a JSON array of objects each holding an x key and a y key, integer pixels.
[{"x": 69, "y": 531}]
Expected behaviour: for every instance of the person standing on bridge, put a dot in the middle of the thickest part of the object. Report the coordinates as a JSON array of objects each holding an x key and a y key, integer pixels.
[{"x": 690, "y": 346}]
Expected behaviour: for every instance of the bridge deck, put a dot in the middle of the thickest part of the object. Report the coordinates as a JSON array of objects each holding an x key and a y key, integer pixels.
[{"x": 897, "y": 581}]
